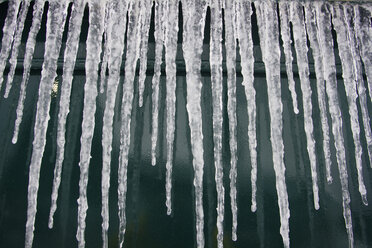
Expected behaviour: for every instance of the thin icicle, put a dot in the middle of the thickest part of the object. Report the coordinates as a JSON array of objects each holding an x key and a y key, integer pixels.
[
  {"x": 30, "y": 47},
  {"x": 269, "y": 40},
  {"x": 329, "y": 66},
  {"x": 247, "y": 62},
  {"x": 8, "y": 33},
  {"x": 170, "y": 61},
  {"x": 72, "y": 45},
  {"x": 299, "y": 34},
  {"x": 94, "y": 44},
  {"x": 16, "y": 42},
  {"x": 117, "y": 11},
  {"x": 159, "y": 42},
  {"x": 230, "y": 44},
  {"x": 311, "y": 28},
  {"x": 350, "y": 77},
  {"x": 193, "y": 30},
  {"x": 55, "y": 23},
  {"x": 286, "y": 38},
  {"x": 216, "y": 79},
  {"x": 126, "y": 112},
  {"x": 145, "y": 27}
]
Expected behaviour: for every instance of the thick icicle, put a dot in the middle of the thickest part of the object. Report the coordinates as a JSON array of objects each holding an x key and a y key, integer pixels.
[
  {"x": 247, "y": 62},
  {"x": 117, "y": 11},
  {"x": 30, "y": 47},
  {"x": 16, "y": 42},
  {"x": 349, "y": 76},
  {"x": 170, "y": 61},
  {"x": 286, "y": 38},
  {"x": 230, "y": 44},
  {"x": 311, "y": 28},
  {"x": 145, "y": 27},
  {"x": 299, "y": 34},
  {"x": 72, "y": 45},
  {"x": 159, "y": 42},
  {"x": 269, "y": 40},
  {"x": 8, "y": 33},
  {"x": 216, "y": 79},
  {"x": 55, "y": 23},
  {"x": 126, "y": 112},
  {"x": 194, "y": 12},
  {"x": 329, "y": 66},
  {"x": 94, "y": 44}
]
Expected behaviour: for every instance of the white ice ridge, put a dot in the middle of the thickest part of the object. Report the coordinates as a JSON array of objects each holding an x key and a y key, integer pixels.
[{"x": 110, "y": 47}]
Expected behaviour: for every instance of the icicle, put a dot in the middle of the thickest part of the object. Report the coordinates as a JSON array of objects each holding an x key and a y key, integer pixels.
[
  {"x": 326, "y": 47},
  {"x": 170, "y": 61},
  {"x": 193, "y": 30},
  {"x": 126, "y": 112},
  {"x": 286, "y": 38},
  {"x": 56, "y": 18},
  {"x": 311, "y": 27},
  {"x": 216, "y": 79},
  {"x": 363, "y": 31},
  {"x": 117, "y": 11},
  {"x": 94, "y": 44},
  {"x": 231, "y": 107},
  {"x": 269, "y": 40},
  {"x": 299, "y": 33},
  {"x": 247, "y": 62},
  {"x": 159, "y": 42},
  {"x": 145, "y": 26},
  {"x": 72, "y": 45},
  {"x": 30, "y": 47},
  {"x": 8, "y": 33},
  {"x": 16, "y": 42},
  {"x": 349, "y": 76}
]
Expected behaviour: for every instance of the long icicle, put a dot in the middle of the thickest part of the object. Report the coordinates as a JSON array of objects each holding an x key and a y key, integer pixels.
[
  {"x": 311, "y": 28},
  {"x": 116, "y": 42},
  {"x": 72, "y": 45},
  {"x": 230, "y": 44},
  {"x": 286, "y": 38},
  {"x": 16, "y": 42},
  {"x": 269, "y": 40},
  {"x": 349, "y": 77},
  {"x": 55, "y": 23},
  {"x": 329, "y": 66},
  {"x": 171, "y": 70},
  {"x": 216, "y": 79},
  {"x": 299, "y": 34},
  {"x": 126, "y": 112},
  {"x": 30, "y": 48},
  {"x": 194, "y": 12},
  {"x": 247, "y": 63},
  {"x": 8, "y": 33},
  {"x": 94, "y": 44}
]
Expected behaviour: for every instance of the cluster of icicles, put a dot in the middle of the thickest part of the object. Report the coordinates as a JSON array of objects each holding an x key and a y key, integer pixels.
[{"x": 107, "y": 22}]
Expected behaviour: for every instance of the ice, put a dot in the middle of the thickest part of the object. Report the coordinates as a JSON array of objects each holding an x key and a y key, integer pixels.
[
  {"x": 312, "y": 31},
  {"x": 216, "y": 79},
  {"x": 16, "y": 42},
  {"x": 171, "y": 37},
  {"x": 93, "y": 49},
  {"x": 326, "y": 48},
  {"x": 193, "y": 30},
  {"x": 350, "y": 75},
  {"x": 55, "y": 24},
  {"x": 269, "y": 41},
  {"x": 159, "y": 43},
  {"x": 247, "y": 63},
  {"x": 72, "y": 45},
  {"x": 299, "y": 35},
  {"x": 30, "y": 47}
]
